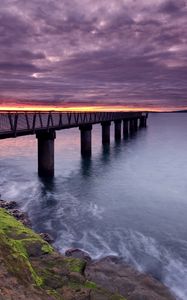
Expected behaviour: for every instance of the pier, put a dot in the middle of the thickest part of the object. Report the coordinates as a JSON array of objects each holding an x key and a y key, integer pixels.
[{"x": 45, "y": 124}]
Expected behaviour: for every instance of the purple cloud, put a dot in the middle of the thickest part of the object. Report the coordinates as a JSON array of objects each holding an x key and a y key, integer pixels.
[{"x": 95, "y": 52}]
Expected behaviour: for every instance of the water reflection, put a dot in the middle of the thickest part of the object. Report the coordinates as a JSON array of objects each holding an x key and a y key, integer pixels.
[
  {"x": 47, "y": 186},
  {"x": 86, "y": 166},
  {"x": 129, "y": 199},
  {"x": 106, "y": 152}
]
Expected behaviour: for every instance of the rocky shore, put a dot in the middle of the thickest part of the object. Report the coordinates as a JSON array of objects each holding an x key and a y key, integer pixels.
[{"x": 30, "y": 268}]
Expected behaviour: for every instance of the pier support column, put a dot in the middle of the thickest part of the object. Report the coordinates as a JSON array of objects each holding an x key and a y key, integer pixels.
[
  {"x": 143, "y": 122},
  {"x": 125, "y": 129},
  {"x": 132, "y": 126},
  {"x": 146, "y": 117},
  {"x": 117, "y": 130},
  {"x": 135, "y": 124},
  {"x": 86, "y": 140},
  {"x": 105, "y": 132},
  {"x": 46, "y": 153}
]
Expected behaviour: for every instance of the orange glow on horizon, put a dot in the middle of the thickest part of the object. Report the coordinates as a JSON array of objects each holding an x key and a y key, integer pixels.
[{"x": 98, "y": 108}]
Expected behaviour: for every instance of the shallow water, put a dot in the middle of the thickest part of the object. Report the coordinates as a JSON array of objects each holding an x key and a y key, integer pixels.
[{"x": 129, "y": 200}]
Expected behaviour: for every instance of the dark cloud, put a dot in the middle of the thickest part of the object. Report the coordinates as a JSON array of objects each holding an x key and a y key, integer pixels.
[
  {"x": 14, "y": 30},
  {"x": 172, "y": 6},
  {"x": 94, "y": 52},
  {"x": 11, "y": 67}
]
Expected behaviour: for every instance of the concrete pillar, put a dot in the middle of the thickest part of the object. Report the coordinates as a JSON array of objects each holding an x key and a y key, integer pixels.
[
  {"x": 46, "y": 153},
  {"x": 117, "y": 130},
  {"x": 125, "y": 129},
  {"x": 143, "y": 121},
  {"x": 86, "y": 140},
  {"x": 146, "y": 117},
  {"x": 105, "y": 132},
  {"x": 135, "y": 124},
  {"x": 132, "y": 126}
]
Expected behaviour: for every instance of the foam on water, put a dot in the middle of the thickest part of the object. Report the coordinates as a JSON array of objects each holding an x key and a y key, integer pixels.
[
  {"x": 144, "y": 253},
  {"x": 128, "y": 201}
]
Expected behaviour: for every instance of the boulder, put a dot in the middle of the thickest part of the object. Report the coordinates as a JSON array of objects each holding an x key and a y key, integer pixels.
[
  {"x": 8, "y": 204},
  {"x": 117, "y": 277},
  {"x": 47, "y": 237},
  {"x": 77, "y": 253},
  {"x": 21, "y": 216}
]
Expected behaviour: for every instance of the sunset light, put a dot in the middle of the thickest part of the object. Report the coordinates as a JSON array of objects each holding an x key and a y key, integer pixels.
[{"x": 94, "y": 108}]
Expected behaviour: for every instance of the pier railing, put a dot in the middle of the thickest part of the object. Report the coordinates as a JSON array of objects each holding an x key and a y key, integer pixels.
[
  {"x": 45, "y": 124},
  {"x": 14, "y": 124}
]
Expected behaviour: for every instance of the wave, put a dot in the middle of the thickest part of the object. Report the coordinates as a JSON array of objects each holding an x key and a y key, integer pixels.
[{"x": 140, "y": 251}]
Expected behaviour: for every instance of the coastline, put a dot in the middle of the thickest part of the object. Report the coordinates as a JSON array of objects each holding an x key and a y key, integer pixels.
[{"x": 109, "y": 273}]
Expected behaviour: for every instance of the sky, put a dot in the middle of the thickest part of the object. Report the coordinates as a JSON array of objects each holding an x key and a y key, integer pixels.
[{"x": 101, "y": 53}]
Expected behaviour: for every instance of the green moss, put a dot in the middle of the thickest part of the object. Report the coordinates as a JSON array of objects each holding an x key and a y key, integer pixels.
[
  {"x": 52, "y": 280},
  {"x": 14, "y": 247},
  {"x": 19, "y": 251},
  {"x": 90, "y": 285},
  {"x": 34, "y": 262},
  {"x": 47, "y": 249},
  {"x": 12, "y": 227},
  {"x": 55, "y": 294},
  {"x": 75, "y": 264},
  {"x": 17, "y": 261},
  {"x": 74, "y": 285}
]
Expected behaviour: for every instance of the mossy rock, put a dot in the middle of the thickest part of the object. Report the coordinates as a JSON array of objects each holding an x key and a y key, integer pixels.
[{"x": 38, "y": 268}]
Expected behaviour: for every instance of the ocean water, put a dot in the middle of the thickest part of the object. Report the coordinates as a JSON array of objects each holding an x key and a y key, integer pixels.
[{"x": 129, "y": 199}]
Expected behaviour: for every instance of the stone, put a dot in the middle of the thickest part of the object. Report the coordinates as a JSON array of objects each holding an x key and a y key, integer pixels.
[
  {"x": 8, "y": 204},
  {"x": 47, "y": 237},
  {"x": 77, "y": 253},
  {"x": 117, "y": 277},
  {"x": 21, "y": 216},
  {"x": 2, "y": 203},
  {"x": 31, "y": 269},
  {"x": 77, "y": 277},
  {"x": 11, "y": 207}
]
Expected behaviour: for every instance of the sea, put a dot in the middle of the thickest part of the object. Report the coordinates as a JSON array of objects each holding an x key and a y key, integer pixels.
[{"x": 128, "y": 200}]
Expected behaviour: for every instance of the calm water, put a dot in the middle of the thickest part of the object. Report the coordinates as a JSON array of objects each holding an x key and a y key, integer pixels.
[{"x": 128, "y": 200}]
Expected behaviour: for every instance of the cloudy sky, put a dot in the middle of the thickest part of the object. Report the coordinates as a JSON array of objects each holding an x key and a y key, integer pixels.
[{"x": 93, "y": 52}]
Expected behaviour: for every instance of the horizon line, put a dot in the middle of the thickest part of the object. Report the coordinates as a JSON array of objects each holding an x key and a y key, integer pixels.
[{"x": 98, "y": 108}]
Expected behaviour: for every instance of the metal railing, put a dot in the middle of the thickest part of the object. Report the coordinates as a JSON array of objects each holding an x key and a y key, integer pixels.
[{"x": 14, "y": 124}]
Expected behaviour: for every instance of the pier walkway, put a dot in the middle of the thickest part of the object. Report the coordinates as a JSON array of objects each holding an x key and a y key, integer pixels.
[{"x": 45, "y": 124}]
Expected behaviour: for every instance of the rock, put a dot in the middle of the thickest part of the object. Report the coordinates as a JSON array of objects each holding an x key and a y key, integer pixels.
[
  {"x": 2, "y": 203},
  {"x": 77, "y": 277},
  {"x": 31, "y": 269},
  {"x": 114, "y": 275},
  {"x": 110, "y": 273},
  {"x": 77, "y": 294},
  {"x": 47, "y": 237},
  {"x": 77, "y": 253},
  {"x": 11, "y": 207},
  {"x": 94, "y": 295},
  {"x": 8, "y": 205},
  {"x": 21, "y": 216},
  {"x": 34, "y": 248}
]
